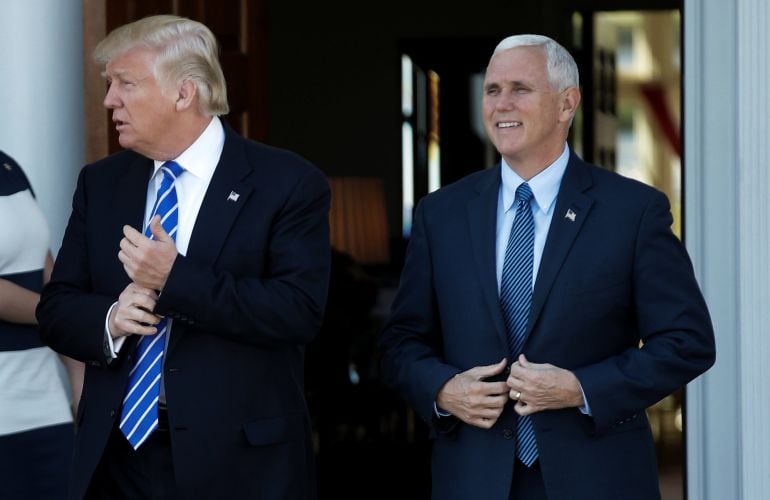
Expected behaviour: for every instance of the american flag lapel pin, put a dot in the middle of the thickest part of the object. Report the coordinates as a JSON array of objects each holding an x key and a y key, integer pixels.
[
  {"x": 7, "y": 167},
  {"x": 570, "y": 215},
  {"x": 233, "y": 196}
]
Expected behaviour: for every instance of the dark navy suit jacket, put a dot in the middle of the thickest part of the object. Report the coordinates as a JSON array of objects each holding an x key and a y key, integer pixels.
[
  {"x": 611, "y": 278},
  {"x": 245, "y": 300}
]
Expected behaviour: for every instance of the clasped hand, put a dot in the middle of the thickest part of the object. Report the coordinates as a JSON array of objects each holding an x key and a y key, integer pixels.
[
  {"x": 147, "y": 262},
  {"x": 542, "y": 386},
  {"x": 534, "y": 387}
]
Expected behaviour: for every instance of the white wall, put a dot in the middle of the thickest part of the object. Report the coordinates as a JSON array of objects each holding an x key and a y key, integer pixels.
[{"x": 41, "y": 99}]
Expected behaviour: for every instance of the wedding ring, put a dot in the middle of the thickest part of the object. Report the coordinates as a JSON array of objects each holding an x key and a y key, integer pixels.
[{"x": 517, "y": 396}]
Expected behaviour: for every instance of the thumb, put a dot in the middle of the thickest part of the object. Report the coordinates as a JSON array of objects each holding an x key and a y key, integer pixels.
[
  {"x": 158, "y": 232},
  {"x": 491, "y": 370},
  {"x": 523, "y": 361}
]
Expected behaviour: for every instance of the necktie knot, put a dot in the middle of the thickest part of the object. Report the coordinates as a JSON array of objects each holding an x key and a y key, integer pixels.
[
  {"x": 172, "y": 168},
  {"x": 524, "y": 193}
]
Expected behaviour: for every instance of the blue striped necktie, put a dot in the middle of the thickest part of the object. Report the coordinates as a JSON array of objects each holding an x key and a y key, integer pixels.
[
  {"x": 516, "y": 300},
  {"x": 139, "y": 417}
]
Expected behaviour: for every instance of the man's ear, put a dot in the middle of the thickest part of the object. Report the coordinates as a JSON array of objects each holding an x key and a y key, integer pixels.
[
  {"x": 186, "y": 95},
  {"x": 570, "y": 99}
]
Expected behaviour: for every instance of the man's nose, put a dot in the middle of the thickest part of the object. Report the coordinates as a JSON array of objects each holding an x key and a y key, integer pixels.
[
  {"x": 505, "y": 101},
  {"x": 111, "y": 100}
]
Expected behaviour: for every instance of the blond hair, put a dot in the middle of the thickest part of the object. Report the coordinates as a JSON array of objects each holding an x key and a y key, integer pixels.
[{"x": 185, "y": 49}]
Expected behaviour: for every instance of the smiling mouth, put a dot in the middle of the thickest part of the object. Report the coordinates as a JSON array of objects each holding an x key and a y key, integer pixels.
[{"x": 508, "y": 124}]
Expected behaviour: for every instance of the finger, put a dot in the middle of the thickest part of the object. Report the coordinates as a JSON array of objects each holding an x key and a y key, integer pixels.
[
  {"x": 496, "y": 403},
  {"x": 157, "y": 230},
  {"x": 139, "y": 329},
  {"x": 514, "y": 380},
  {"x": 147, "y": 292},
  {"x": 132, "y": 235},
  {"x": 490, "y": 388},
  {"x": 123, "y": 258},
  {"x": 484, "y": 422},
  {"x": 523, "y": 408},
  {"x": 143, "y": 290},
  {"x": 142, "y": 317},
  {"x": 144, "y": 303},
  {"x": 481, "y": 372},
  {"x": 523, "y": 361},
  {"x": 126, "y": 322},
  {"x": 126, "y": 245}
]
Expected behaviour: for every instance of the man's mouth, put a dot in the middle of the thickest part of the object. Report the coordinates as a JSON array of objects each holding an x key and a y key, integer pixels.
[{"x": 508, "y": 124}]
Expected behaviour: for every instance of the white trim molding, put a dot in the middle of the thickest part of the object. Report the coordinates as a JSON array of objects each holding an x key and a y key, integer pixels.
[{"x": 727, "y": 190}]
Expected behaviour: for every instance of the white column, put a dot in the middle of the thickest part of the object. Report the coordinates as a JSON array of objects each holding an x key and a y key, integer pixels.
[
  {"x": 41, "y": 99},
  {"x": 727, "y": 129},
  {"x": 753, "y": 64}
]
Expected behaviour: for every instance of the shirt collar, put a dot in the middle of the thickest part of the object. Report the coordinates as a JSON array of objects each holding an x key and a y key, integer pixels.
[
  {"x": 201, "y": 158},
  {"x": 545, "y": 185}
]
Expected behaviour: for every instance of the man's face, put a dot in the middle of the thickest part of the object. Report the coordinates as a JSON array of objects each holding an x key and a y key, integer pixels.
[
  {"x": 525, "y": 118},
  {"x": 142, "y": 109}
]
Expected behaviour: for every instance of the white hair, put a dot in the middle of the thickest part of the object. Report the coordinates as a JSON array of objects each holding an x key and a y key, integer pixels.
[{"x": 562, "y": 69}]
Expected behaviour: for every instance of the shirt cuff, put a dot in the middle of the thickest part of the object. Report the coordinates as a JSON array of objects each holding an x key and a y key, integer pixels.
[
  {"x": 440, "y": 413},
  {"x": 111, "y": 347},
  {"x": 586, "y": 408}
]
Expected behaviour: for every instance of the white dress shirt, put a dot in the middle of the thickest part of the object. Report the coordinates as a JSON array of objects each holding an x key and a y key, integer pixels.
[{"x": 199, "y": 162}]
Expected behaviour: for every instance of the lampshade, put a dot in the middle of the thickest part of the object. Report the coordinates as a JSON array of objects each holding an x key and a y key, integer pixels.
[{"x": 357, "y": 219}]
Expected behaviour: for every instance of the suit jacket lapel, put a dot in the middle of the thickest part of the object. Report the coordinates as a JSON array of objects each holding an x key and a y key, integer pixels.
[
  {"x": 572, "y": 208},
  {"x": 226, "y": 195},
  {"x": 482, "y": 220},
  {"x": 224, "y": 198}
]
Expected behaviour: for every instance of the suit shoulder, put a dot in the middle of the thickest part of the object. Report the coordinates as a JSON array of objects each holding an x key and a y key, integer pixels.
[
  {"x": 288, "y": 162},
  {"x": 621, "y": 188},
  {"x": 112, "y": 164}
]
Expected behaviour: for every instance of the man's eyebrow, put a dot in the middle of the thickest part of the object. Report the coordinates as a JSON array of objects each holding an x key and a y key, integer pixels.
[{"x": 118, "y": 73}]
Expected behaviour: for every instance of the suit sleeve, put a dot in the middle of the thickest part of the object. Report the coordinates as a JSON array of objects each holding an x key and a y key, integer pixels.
[
  {"x": 285, "y": 303},
  {"x": 673, "y": 324},
  {"x": 71, "y": 315},
  {"x": 410, "y": 341}
]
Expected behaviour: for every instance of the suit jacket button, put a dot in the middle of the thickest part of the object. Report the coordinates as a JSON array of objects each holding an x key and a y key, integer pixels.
[{"x": 507, "y": 433}]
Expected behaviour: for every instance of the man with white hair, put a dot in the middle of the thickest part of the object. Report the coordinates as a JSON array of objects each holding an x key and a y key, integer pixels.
[
  {"x": 193, "y": 271},
  {"x": 543, "y": 306}
]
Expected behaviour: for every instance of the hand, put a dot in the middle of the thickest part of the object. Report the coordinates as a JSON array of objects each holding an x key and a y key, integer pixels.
[
  {"x": 147, "y": 262},
  {"x": 536, "y": 387},
  {"x": 133, "y": 312},
  {"x": 470, "y": 398}
]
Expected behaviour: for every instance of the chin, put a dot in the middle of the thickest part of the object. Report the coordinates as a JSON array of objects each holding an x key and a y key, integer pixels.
[{"x": 125, "y": 142}]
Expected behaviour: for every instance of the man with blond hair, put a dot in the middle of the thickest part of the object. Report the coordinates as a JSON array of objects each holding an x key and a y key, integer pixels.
[{"x": 193, "y": 271}]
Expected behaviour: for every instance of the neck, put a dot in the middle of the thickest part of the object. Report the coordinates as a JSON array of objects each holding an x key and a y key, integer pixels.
[
  {"x": 529, "y": 167},
  {"x": 183, "y": 136}
]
